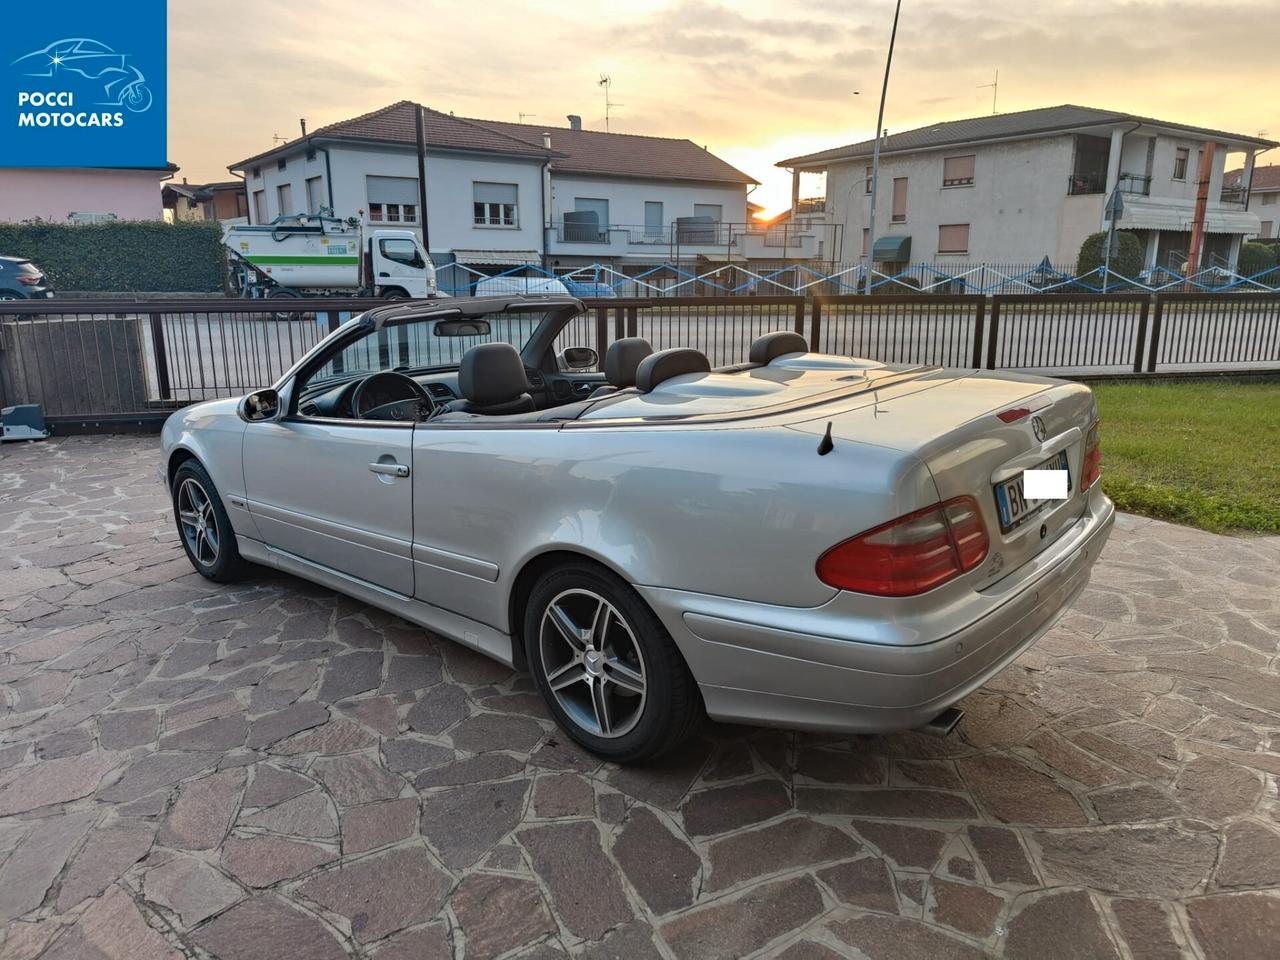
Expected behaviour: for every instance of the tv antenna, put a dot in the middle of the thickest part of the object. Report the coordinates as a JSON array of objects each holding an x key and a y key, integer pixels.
[
  {"x": 995, "y": 88},
  {"x": 277, "y": 139},
  {"x": 606, "y": 82},
  {"x": 523, "y": 115}
]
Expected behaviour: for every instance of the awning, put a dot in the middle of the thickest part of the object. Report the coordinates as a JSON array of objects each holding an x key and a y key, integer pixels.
[
  {"x": 1150, "y": 213},
  {"x": 892, "y": 249},
  {"x": 503, "y": 258}
]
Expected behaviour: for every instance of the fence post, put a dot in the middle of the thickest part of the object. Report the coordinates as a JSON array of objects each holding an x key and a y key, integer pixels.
[
  {"x": 602, "y": 332},
  {"x": 800, "y": 316},
  {"x": 1156, "y": 322},
  {"x": 993, "y": 335},
  {"x": 979, "y": 322},
  {"x": 815, "y": 325},
  {"x": 632, "y": 326},
  {"x": 331, "y": 317},
  {"x": 162, "y": 357},
  {"x": 1142, "y": 335}
]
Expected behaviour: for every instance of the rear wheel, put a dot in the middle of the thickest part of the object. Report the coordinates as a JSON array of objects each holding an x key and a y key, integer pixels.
[
  {"x": 203, "y": 525},
  {"x": 606, "y": 666}
]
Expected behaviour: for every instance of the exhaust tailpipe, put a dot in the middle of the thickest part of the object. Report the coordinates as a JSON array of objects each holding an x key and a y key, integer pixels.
[{"x": 943, "y": 723}]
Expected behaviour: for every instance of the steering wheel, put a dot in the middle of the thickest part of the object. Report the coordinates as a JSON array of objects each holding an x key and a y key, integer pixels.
[{"x": 391, "y": 396}]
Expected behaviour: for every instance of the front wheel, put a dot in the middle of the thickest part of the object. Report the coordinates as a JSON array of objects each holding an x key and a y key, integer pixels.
[
  {"x": 606, "y": 666},
  {"x": 203, "y": 525}
]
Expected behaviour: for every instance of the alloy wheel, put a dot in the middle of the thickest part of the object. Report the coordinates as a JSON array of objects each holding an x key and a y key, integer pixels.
[
  {"x": 199, "y": 526},
  {"x": 592, "y": 663}
]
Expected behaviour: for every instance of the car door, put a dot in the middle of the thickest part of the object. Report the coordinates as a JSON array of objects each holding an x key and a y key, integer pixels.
[{"x": 336, "y": 493}]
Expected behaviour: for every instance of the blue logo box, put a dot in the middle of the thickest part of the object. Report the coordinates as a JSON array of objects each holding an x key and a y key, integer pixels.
[{"x": 87, "y": 87}]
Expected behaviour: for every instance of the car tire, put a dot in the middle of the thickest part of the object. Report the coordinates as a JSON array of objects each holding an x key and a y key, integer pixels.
[
  {"x": 203, "y": 525},
  {"x": 624, "y": 667}
]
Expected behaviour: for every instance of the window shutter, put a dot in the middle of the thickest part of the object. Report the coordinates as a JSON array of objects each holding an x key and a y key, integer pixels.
[
  {"x": 494, "y": 192},
  {"x": 900, "y": 198},
  {"x": 957, "y": 170},
  {"x": 391, "y": 189},
  {"x": 953, "y": 238}
]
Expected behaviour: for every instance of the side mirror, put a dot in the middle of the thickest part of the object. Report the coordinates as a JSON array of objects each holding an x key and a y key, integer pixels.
[
  {"x": 578, "y": 358},
  {"x": 260, "y": 406}
]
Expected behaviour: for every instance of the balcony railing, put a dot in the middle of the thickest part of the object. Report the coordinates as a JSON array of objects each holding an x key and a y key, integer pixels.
[
  {"x": 1232, "y": 195},
  {"x": 812, "y": 205},
  {"x": 681, "y": 234},
  {"x": 1084, "y": 183},
  {"x": 1135, "y": 183}
]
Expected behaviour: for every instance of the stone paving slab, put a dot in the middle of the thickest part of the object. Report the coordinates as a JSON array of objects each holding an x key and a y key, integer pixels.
[{"x": 271, "y": 770}]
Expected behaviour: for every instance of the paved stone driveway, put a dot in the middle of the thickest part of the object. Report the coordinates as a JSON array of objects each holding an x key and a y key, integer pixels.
[{"x": 273, "y": 771}]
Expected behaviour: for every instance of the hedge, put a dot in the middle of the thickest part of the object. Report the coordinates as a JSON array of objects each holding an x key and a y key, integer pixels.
[
  {"x": 1127, "y": 261},
  {"x": 1256, "y": 258},
  {"x": 122, "y": 256}
]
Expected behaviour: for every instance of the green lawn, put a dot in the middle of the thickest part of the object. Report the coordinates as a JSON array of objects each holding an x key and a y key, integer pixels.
[{"x": 1204, "y": 453}]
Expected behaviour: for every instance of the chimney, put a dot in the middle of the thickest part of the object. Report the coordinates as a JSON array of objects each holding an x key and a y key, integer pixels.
[
  {"x": 546, "y": 141},
  {"x": 575, "y": 121},
  {"x": 302, "y": 122}
]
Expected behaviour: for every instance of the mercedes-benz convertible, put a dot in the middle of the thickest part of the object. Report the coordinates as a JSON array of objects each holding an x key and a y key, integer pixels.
[{"x": 799, "y": 540}]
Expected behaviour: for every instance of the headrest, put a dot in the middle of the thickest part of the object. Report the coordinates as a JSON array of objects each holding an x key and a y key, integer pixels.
[
  {"x": 622, "y": 358},
  {"x": 661, "y": 366},
  {"x": 492, "y": 373},
  {"x": 776, "y": 344}
]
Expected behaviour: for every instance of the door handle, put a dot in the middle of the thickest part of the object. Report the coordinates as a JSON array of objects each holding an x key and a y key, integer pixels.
[{"x": 389, "y": 469}]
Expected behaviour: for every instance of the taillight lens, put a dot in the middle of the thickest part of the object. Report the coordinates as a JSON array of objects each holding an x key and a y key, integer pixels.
[
  {"x": 1091, "y": 470},
  {"x": 27, "y": 280},
  {"x": 909, "y": 555}
]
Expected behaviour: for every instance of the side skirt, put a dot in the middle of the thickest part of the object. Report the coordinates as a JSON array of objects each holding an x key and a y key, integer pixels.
[{"x": 470, "y": 633}]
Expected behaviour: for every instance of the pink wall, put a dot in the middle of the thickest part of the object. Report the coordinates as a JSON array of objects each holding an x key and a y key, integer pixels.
[{"x": 53, "y": 194}]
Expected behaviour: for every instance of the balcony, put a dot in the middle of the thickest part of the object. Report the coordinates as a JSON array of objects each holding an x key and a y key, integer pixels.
[
  {"x": 1135, "y": 183},
  {"x": 1084, "y": 182},
  {"x": 812, "y": 205},
  {"x": 1234, "y": 195}
]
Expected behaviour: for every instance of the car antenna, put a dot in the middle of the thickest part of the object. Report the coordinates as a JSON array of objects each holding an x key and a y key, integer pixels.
[{"x": 825, "y": 445}]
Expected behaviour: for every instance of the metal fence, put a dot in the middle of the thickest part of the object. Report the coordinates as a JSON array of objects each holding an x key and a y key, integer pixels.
[{"x": 105, "y": 364}]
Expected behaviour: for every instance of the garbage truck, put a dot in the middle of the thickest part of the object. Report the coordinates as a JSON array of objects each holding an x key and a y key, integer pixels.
[{"x": 318, "y": 256}]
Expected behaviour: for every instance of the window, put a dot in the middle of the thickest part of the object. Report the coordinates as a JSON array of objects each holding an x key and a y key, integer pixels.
[
  {"x": 899, "y": 199},
  {"x": 1267, "y": 199},
  {"x": 281, "y": 163},
  {"x": 957, "y": 171},
  {"x": 284, "y": 199},
  {"x": 712, "y": 211},
  {"x": 867, "y": 184},
  {"x": 260, "y": 206},
  {"x": 392, "y": 199},
  {"x": 953, "y": 238},
  {"x": 866, "y": 240},
  {"x": 257, "y": 173},
  {"x": 401, "y": 251},
  {"x": 1265, "y": 232},
  {"x": 494, "y": 204},
  {"x": 315, "y": 194},
  {"x": 1180, "y": 163},
  {"x": 653, "y": 218}
]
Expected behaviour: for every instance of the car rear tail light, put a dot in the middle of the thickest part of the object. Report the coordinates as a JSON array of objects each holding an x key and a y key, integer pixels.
[
  {"x": 910, "y": 555},
  {"x": 1092, "y": 468},
  {"x": 1014, "y": 414},
  {"x": 27, "y": 280}
]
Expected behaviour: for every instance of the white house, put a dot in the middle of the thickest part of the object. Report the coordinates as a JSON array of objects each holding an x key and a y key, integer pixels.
[
  {"x": 500, "y": 195},
  {"x": 1262, "y": 196},
  {"x": 1017, "y": 187}
]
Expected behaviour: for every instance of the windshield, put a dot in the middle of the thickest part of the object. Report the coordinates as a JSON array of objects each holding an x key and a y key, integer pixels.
[{"x": 418, "y": 344}]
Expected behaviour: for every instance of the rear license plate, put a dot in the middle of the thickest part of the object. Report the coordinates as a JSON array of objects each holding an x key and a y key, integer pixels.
[{"x": 1013, "y": 506}]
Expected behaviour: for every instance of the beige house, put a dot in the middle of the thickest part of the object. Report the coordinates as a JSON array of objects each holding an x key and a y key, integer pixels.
[{"x": 1262, "y": 196}]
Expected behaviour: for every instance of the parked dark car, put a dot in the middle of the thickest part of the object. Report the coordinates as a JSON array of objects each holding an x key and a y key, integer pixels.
[{"x": 20, "y": 279}]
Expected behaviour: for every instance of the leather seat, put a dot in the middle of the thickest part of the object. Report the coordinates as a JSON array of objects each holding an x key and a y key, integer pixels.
[
  {"x": 621, "y": 361},
  {"x": 776, "y": 344},
  {"x": 665, "y": 364},
  {"x": 492, "y": 380}
]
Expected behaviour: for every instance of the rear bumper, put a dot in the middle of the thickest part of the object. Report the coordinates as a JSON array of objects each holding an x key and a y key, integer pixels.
[{"x": 764, "y": 664}]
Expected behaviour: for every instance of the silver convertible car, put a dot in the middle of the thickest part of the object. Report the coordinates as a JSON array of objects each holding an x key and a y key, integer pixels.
[{"x": 800, "y": 540}]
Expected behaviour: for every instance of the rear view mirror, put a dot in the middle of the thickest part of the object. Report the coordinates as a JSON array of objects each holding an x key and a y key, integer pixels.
[
  {"x": 260, "y": 406},
  {"x": 578, "y": 358},
  {"x": 462, "y": 328}
]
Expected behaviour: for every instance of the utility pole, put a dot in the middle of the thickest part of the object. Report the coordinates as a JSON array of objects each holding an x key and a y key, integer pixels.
[
  {"x": 875, "y": 152},
  {"x": 1204, "y": 172},
  {"x": 421, "y": 140}
]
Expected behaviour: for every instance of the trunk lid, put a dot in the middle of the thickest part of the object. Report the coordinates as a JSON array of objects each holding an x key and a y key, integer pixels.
[{"x": 949, "y": 421}]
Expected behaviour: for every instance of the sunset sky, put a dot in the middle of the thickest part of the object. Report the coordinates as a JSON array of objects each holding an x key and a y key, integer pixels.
[{"x": 755, "y": 81}]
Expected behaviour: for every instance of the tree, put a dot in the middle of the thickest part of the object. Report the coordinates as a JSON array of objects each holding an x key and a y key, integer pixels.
[
  {"x": 1126, "y": 260},
  {"x": 1256, "y": 258}
]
